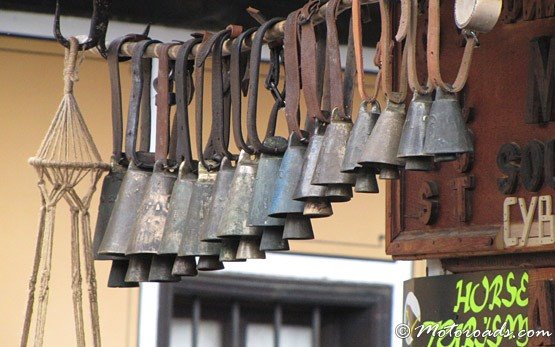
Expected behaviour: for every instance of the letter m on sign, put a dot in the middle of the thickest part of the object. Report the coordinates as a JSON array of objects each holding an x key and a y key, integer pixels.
[{"x": 540, "y": 103}]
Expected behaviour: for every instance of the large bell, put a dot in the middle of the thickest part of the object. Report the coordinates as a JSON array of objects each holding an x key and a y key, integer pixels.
[
  {"x": 362, "y": 129},
  {"x": 266, "y": 179},
  {"x": 272, "y": 239},
  {"x": 446, "y": 131},
  {"x": 149, "y": 226},
  {"x": 234, "y": 221},
  {"x": 218, "y": 201},
  {"x": 287, "y": 180},
  {"x": 314, "y": 196},
  {"x": 110, "y": 188},
  {"x": 163, "y": 262},
  {"x": 116, "y": 279},
  {"x": 228, "y": 252},
  {"x": 411, "y": 146},
  {"x": 191, "y": 244},
  {"x": 297, "y": 227},
  {"x": 120, "y": 226},
  {"x": 328, "y": 167},
  {"x": 380, "y": 150},
  {"x": 249, "y": 248}
]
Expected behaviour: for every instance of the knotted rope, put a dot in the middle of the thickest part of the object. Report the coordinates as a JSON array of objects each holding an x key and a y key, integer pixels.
[{"x": 66, "y": 156}]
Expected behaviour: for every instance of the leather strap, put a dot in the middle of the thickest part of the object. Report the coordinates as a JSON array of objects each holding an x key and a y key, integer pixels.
[
  {"x": 386, "y": 47},
  {"x": 163, "y": 103},
  {"x": 292, "y": 76},
  {"x": 412, "y": 71},
  {"x": 309, "y": 66},
  {"x": 115, "y": 90},
  {"x": 349, "y": 75},
  {"x": 434, "y": 70},
  {"x": 334, "y": 59},
  {"x": 135, "y": 105},
  {"x": 183, "y": 95},
  {"x": 239, "y": 61}
]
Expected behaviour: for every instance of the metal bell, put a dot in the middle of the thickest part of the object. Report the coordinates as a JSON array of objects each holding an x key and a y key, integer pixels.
[
  {"x": 314, "y": 195},
  {"x": 339, "y": 192},
  {"x": 161, "y": 269},
  {"x": 297, "y": 227},
  {"x": 228, "y": 252},
  {"x": 362, "y": 129},
  {"x": 191, "y": 244},
  {"x": 209, "y": 263},
  {"x": 175, "y": 223},
  {"x": 249, "y": 248},
  {"x": 139, "y": 268},
  {"x": 272, "y": 239},
  {"x": 149, "y": 227},
  {"x": 236, "y": 212},
  {"x": 116, "y": 279},
  {"x": 411, "y": 146},
  {"x": 218, "y": 201},
  {"x": 446, "y": 131},
  {"x": 185, "y": 266},
  {"x": 121, "y": 223},
  {"x": 380, "y": 151},
  {"x": 328, "y": 167},
  {"x": 110, "y": 188},
  {"x": 366, "y": 181},
  {"x": 266, "y": 179},
  {"x": 287, "y": 180}
]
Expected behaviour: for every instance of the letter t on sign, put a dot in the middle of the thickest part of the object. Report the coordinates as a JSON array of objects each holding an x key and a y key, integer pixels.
[{"x": 463, "y": 207}]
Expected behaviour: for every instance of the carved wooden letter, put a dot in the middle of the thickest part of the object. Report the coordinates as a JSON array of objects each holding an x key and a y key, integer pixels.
[
  {"x": 429, "y": 204},
  {"x": 463, "y": 187},
  {"x": 531, "y": 166},
  {"x": 508, "y": 161},
  {"x": 540, "y": 105}
]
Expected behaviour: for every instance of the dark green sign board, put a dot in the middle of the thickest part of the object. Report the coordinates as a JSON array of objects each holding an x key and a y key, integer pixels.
[{"x": 477, "y": 309}]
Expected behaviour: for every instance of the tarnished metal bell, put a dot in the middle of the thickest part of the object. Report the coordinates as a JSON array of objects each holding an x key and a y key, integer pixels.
[
  {"x": 339, "y": 192},
  {"x": 185, "y": 266},
  {"x": 209, "y": 263},
  {"x": 272, "y": 239},
  {"x": 149, "y": 227},
  {"x": 228, "y": 252},
  {"x": 287, "y": 180},
  {"x": 120, "y": 226},
  {"x": 139, "y": 268},
  {"x": 191, "y": 244},
  {"x": 110, "y": 188},
  {"x": 116, "y": 279},
  {"x": 380, "y": 151},
  {"x": 266, "y": 179},
  {"x": 234, "y": 221},
  {"x": 163, "y": 262},
  {"x": 362, "y": 129},
  {"x": 328, "y": 167},
  {"x": 446, "y": 131},
  {"x": 218, "y": 201},
  {"x": 411, "y": 146},
  {"x": 161, "y": 268},
  {"x": 297, "y": 227},
  {"x": 314, "y": 195},
  {"x": 249, "y": 248},
  {"x": 366, "y": 180}
]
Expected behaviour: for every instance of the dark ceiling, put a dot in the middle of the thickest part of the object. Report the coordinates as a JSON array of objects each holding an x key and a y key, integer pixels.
[{"x": 191, "y": 14}]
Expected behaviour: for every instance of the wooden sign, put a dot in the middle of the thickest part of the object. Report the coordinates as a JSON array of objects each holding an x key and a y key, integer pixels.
[{"x": 499, "y": 200}]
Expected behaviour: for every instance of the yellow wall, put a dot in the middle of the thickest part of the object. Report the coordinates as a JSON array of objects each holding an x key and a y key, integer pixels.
[{"x": 30, "y": 73}]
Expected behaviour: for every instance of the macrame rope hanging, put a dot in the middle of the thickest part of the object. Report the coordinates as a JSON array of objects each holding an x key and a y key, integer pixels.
[{"x": 66, "y": 157}]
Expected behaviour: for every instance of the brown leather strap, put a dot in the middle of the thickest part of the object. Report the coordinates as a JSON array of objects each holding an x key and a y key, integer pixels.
[
  {"x": 386, "y": 47},
  {"x": 404, "y": 20},
  {"x": 115, "y": 90},
  {"x": 334, "y": 59},
  {"x": 145, "y": 125},
  {"x": 309, "y": 66},
  {"x": 434, "y": 70},
  {"x": 183, "y": 94},
  {"x": 135, "y": 105},
  {"x": 412, "y": 71},
  {"x": 238, "y": 66},
  {"x": 163, "y": 102},
  {"x": 292, "y": 75},
  {"x": 349, "y": 74}
]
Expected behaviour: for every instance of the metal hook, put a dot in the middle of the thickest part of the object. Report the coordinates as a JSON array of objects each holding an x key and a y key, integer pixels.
[{"x": 97, "y": 31}]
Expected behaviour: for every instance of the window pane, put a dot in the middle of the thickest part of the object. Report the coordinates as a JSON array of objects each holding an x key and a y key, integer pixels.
[
  {"x": 210, "y": 333},
  {"x": 262, "y": 335}
]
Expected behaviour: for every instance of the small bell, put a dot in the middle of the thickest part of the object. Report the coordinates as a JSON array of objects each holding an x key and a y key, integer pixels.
[
  {"x": 185, "y": 266},
  {"x": 139, "y": 268},
  {"x": 411, "y": 146},
  {"x": 446, "y": 131},
  {"x": 249, "y": 248},
  {"x": 228, "y": 252},
  {"x": 297, "y": 227},
  {"x": 380, "y": 151},
  {"x": 116, "y": 279},
  {"x": 209, "y": 263},
  {"x": 272, "y": 239},
  {"x": 366, "y": 181},
  {"x": 161, "y": 269},
  {"x": 317, "y": 208}
]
